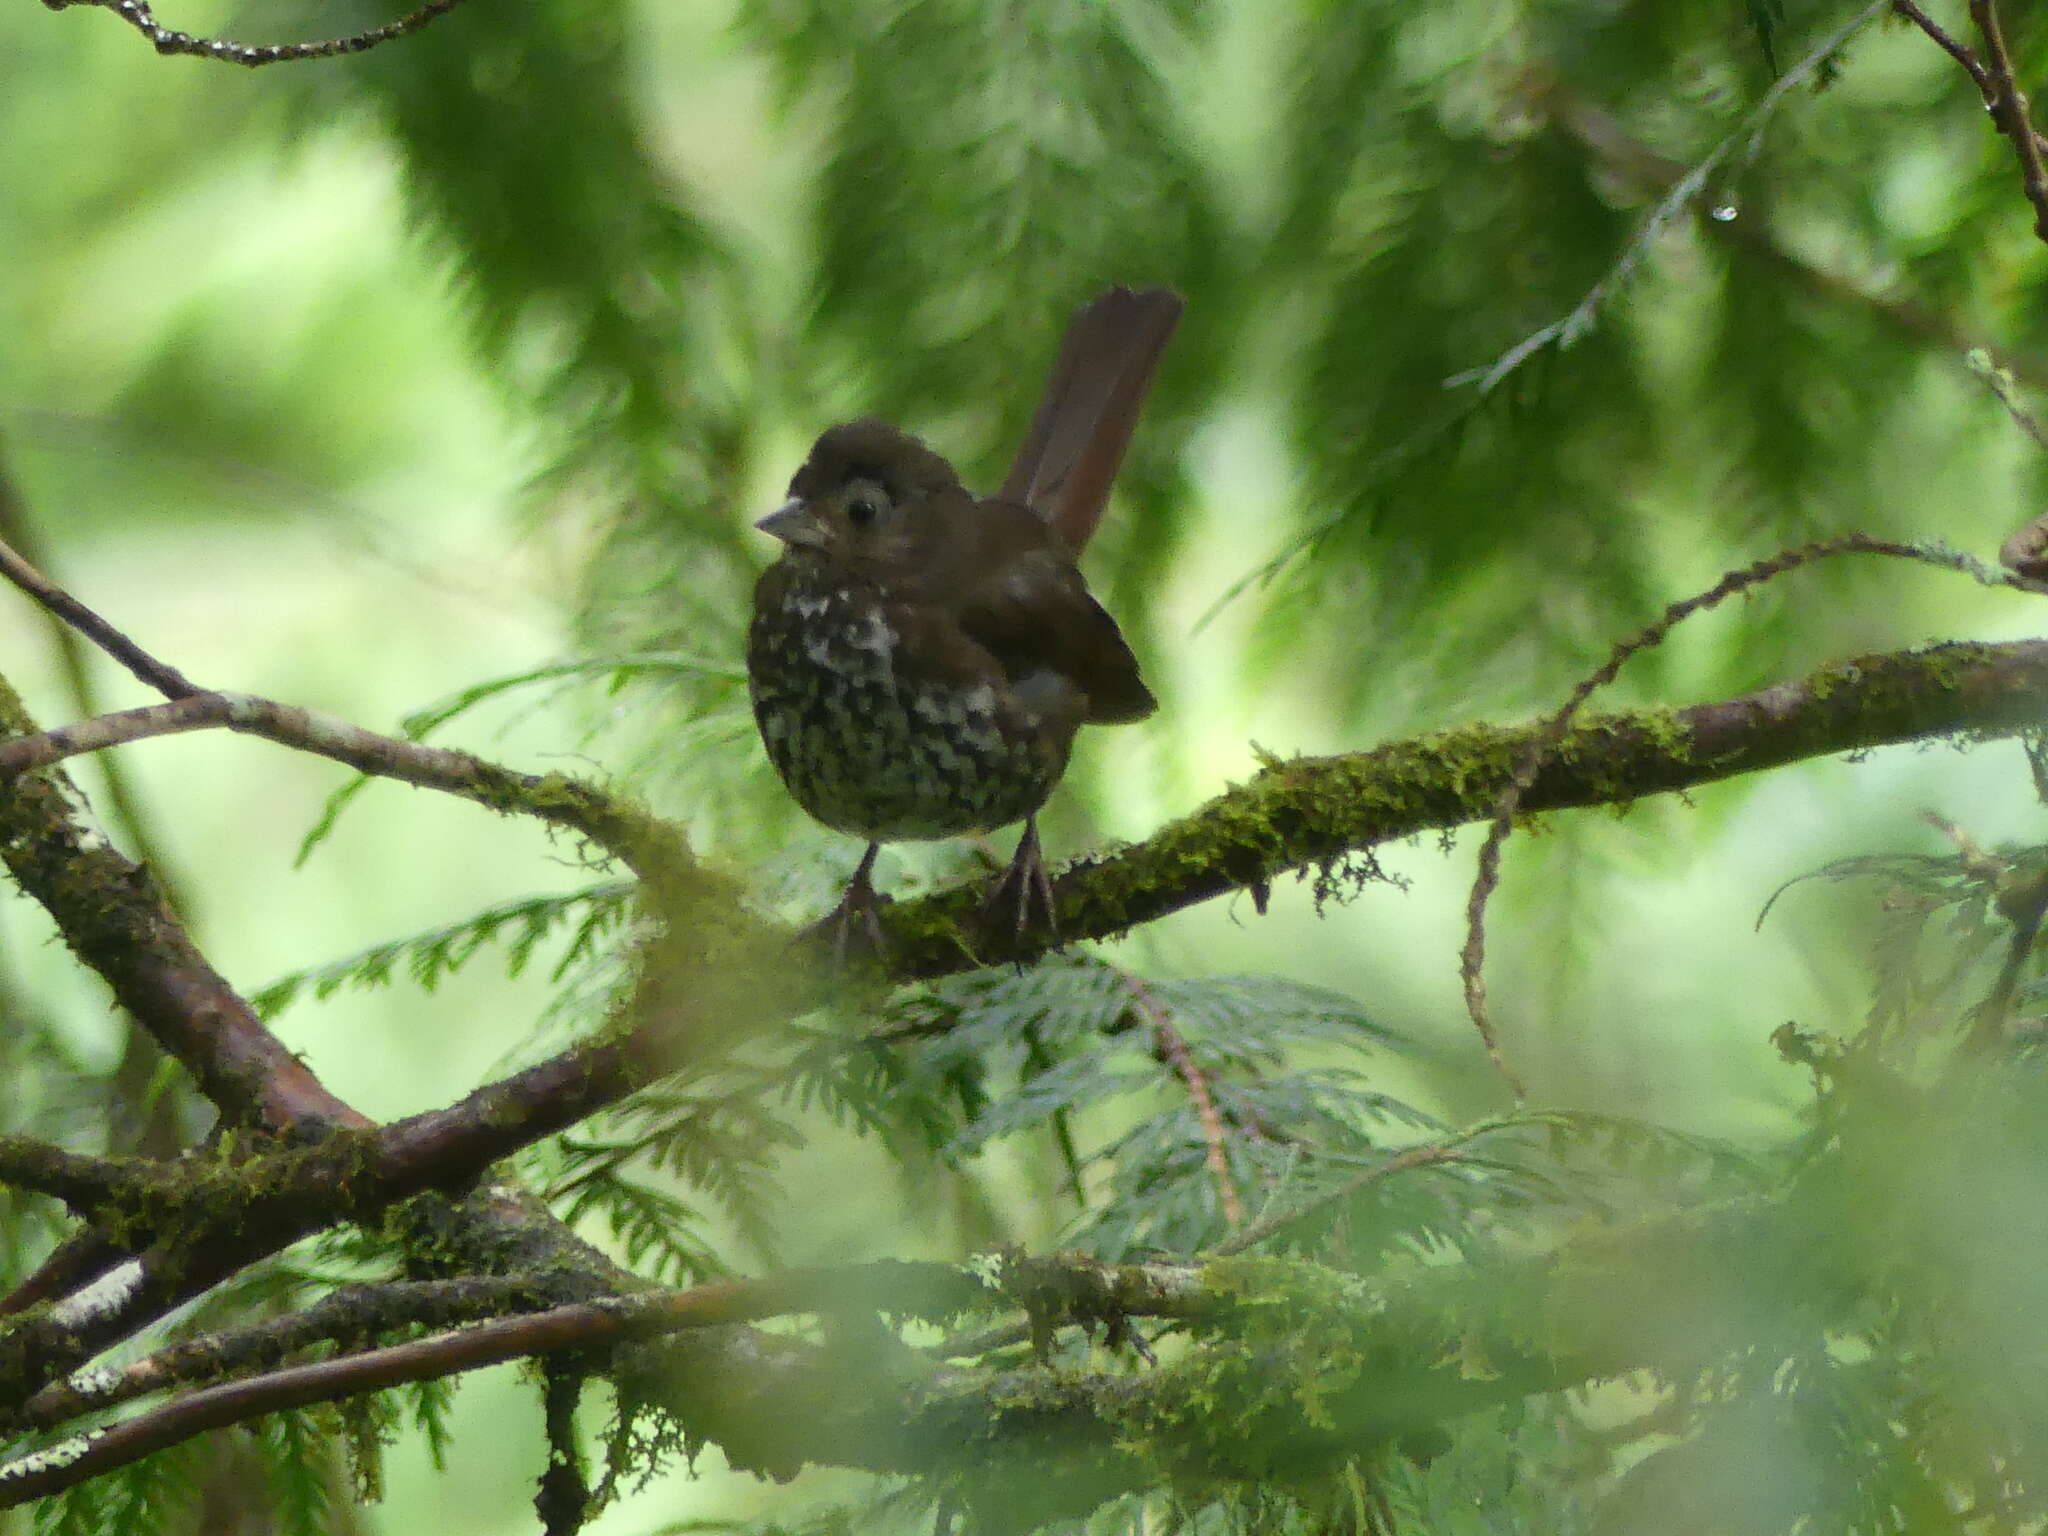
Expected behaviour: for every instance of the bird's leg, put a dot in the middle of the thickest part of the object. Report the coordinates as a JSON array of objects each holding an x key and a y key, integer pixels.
[
  {"x": 1027, "y": 883},
  {"x": 861, "y": 904}
]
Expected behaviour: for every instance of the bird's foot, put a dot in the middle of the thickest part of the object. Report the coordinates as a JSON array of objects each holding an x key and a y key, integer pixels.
[
  {"x": 858, "y": 913},
  {"x": 1024, "y": 885}
]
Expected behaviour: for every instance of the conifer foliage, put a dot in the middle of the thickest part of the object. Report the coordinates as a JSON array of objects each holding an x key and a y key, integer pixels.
[{"x": 1511, "y": 330}]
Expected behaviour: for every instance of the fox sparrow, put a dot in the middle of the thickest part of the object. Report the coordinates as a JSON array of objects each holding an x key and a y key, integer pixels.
[{"x": 920, "y": 659}]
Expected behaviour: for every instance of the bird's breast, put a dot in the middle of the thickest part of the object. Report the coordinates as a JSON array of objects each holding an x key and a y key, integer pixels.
[{"x": 876, "y": 737}]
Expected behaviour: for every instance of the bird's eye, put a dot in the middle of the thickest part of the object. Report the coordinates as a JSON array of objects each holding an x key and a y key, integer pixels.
[{"x": 861, "y": 511}]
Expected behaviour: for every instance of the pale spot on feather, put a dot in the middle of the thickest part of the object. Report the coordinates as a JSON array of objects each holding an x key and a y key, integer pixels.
[{"x": 873, "y": 634}]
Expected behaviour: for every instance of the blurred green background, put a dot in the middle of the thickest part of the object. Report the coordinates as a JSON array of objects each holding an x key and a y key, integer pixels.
[{"x": 354, "y": 383}]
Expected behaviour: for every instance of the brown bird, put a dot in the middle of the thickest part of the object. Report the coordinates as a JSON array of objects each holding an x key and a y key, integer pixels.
[{"x": 920, "y": 659}]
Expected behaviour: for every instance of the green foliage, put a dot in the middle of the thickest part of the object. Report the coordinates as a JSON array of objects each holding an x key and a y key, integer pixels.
[
  {"x": 154, "y": 1494},
  {"x": 722, "y": 1145},
  {"x": 1526, "y": 318},
  {"x": 590, "y": 917},
  {"x": 294, "y": 1449}
]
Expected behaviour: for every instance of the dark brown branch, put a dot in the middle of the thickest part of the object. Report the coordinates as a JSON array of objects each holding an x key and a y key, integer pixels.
[
  {"x": 115, "y": 921},
  {"x": 353, "y": 1312},
  {"x": 165, "y": 679},
  {"x": 1998, "y": 83},
  {"x": 167, "y": 41},
  {"x": 1062, "y": 1289},
  {"x": 86, "y": 1184},
  {"x": 1955, "y": 49},
  {"x": 2008, "y": 104}
]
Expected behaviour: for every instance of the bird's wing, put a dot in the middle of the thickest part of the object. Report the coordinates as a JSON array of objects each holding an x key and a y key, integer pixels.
[{"x": 1034, "y": 613}]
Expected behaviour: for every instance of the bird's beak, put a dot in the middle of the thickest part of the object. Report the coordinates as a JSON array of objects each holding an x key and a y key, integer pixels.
[{"x": 793, "y": 524}]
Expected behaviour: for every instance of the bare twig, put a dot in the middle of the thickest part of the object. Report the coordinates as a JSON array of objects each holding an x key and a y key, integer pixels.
[
  {"x": 165, "y": 679},
  {"x": 2008, "y": 104},
  {"x": 613, "y": 824},
  {"x": 2003, "y": 386},
  {"x": 166, "y": 40},
  {"x": 1472, "y": 959},
  {"x": 1998, "y": 83},
  {"x": 1955, "y": 49}
]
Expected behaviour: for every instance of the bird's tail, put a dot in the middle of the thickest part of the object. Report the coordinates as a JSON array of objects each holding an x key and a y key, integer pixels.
[{"x": 1084, "y": 423}]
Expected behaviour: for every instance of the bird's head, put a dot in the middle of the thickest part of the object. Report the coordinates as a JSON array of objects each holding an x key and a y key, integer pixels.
[{"x": 868, "y": 492}]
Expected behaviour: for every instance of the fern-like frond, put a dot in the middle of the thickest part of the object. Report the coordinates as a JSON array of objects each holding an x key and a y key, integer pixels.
[{"x": 426, "y": 959}]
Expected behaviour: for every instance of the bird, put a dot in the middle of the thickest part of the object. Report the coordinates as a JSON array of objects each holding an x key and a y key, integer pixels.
[{"x": 920, "y": 658}]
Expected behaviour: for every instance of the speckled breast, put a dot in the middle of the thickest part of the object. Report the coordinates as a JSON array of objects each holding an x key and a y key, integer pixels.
[{"x": 865, "y": 744}]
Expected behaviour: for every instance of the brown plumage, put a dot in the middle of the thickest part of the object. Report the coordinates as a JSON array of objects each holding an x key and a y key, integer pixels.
[{"x": 919, "y": 659}]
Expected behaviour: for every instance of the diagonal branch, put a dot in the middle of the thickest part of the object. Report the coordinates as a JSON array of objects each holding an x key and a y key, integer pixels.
[
  {"x": 1950, "y": 45},
  {"x": 113, "y": 918},
  {"x": 612, "y": 823},
  {"x": 2008, "y": 104},
  {"x": 164, "y": 678},
  {"x": 1998, "y": 83}
]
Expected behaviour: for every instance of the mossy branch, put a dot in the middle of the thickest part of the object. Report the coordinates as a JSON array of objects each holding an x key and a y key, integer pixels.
[{"x": 1307, "y": 813}]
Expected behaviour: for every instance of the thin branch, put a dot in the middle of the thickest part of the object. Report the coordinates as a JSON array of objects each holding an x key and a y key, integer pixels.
[
  {"x": 1548, "y": 738},
  {"x": 613, "y": 824},
  {"x": 1648, "y": 175},
  {"x": 554, "y": 798},
  {"x": 1999, "y": 380},
  {"x": 351, "y": 1312},
  {"x": 2008, "y": 105},
  {"x": 169, "y": 41},
  {"x": 165, "y": 679},
  {"x": 1955, "y": 49}
]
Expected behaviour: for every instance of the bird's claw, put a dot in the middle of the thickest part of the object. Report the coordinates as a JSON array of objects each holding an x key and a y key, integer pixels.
[
  {"x": 860, "y": 908},
  {"x": 1028, "y": 884}
]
